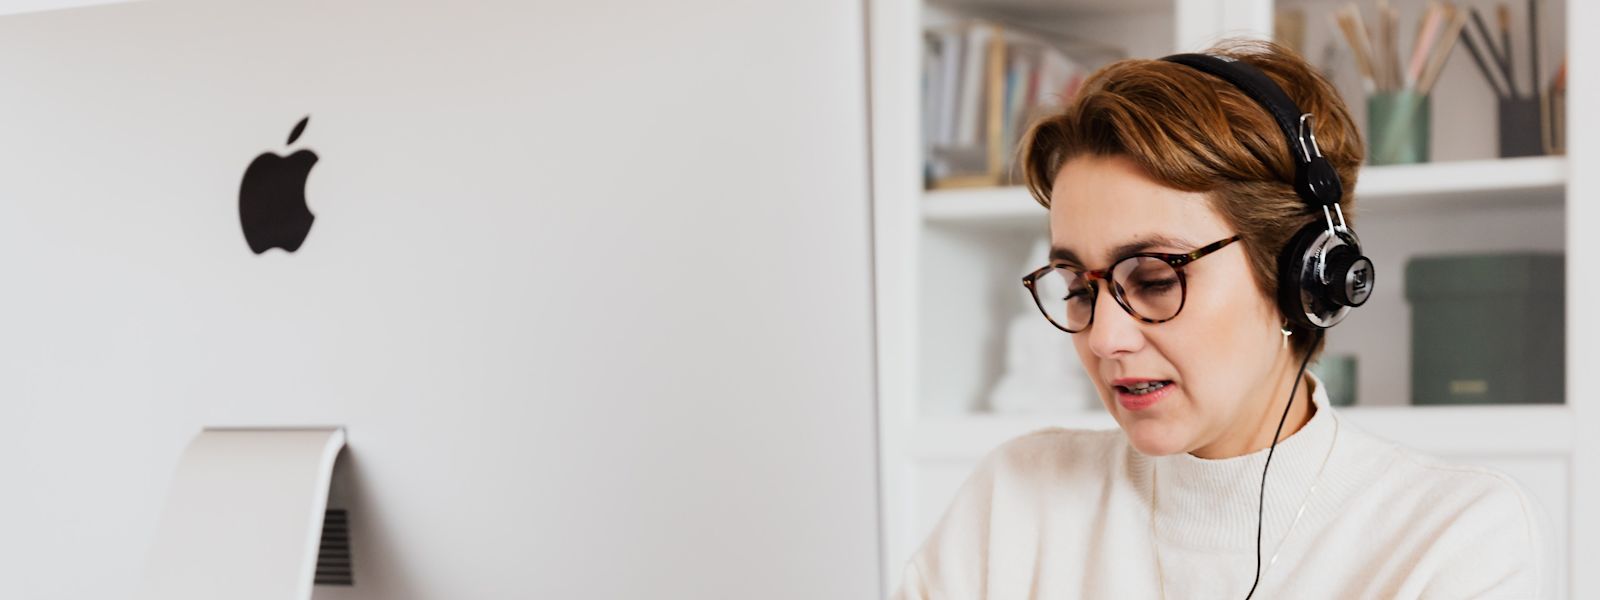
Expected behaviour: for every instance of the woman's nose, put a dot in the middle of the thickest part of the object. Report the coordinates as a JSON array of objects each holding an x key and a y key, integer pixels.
[{"x": 1114, "y": 331}]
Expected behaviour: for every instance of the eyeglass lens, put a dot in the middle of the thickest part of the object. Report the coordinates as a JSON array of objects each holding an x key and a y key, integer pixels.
[{"x": 1146, "y": 287}]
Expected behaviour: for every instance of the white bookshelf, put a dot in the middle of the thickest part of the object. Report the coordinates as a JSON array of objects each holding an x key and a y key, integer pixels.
[
  {"x": 1537, "y": 430},
  {"x": 1497, "y": 183},
  {"x": 949, "y": 262}
]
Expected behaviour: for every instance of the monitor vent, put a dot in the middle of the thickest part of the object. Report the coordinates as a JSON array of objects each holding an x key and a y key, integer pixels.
[{"x": 333, "y": 557}]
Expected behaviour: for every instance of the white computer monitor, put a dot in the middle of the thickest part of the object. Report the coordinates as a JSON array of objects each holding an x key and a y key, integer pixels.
[{"x": 588, "y": 286}]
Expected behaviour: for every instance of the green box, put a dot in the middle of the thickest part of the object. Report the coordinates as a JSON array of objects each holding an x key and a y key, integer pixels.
[{"x": 1488, "y": 329}]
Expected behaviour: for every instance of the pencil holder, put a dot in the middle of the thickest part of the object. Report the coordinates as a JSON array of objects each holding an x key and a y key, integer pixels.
[
  {"x": 1520, "y": 127},
  {"x": 1397, "y": 128}
]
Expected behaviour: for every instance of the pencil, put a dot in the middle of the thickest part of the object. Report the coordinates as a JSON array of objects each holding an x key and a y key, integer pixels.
[
  {"x": 1421, "y": 48},
  {"x": 1457, "y": 19}
]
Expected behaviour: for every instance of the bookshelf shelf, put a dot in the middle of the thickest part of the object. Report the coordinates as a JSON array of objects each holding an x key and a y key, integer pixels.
[
  {"x": 1522, "y": 430},
  {"x": 1055, "y": 7},
  {"x": 1535, "y": 181},
  {"x": 1508, "y": 182}
]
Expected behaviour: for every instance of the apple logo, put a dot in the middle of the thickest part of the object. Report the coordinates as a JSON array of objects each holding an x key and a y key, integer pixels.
[{"x": 272, "y": 198}]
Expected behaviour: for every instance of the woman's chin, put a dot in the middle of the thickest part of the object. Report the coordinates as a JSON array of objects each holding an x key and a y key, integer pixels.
[{"x": 1154, "y": 438}]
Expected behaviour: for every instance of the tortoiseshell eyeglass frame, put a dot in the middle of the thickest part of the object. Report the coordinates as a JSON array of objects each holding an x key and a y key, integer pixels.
[{"x": 1177, "y": 261}]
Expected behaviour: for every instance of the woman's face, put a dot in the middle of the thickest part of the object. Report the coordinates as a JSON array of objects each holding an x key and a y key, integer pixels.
[{"x": 1223, "y": 351}]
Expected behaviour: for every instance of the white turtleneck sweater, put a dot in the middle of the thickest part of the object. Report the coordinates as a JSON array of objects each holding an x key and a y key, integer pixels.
[{"x": 1061, "y": 513}]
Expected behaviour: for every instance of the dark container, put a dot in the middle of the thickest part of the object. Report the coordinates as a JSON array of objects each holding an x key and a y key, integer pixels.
[{"x": 1520, "y": 128}]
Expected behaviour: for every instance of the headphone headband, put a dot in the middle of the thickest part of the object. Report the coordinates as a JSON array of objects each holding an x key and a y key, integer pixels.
[
  {"x": 1316, "y": 182},
  {"x": 1322, "y": 273}
]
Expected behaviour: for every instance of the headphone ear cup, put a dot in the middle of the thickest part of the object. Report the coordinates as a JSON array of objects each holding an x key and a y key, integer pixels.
[
  {"x": 1321, "y": 276},
  {"x": 1294, "y": 262}
]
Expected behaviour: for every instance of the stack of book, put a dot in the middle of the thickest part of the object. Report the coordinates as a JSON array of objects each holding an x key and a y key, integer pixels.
[{"x": 983, "y": 84}]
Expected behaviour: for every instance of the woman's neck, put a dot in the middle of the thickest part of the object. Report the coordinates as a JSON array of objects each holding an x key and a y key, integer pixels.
[{"x": 1264, "y": 424}]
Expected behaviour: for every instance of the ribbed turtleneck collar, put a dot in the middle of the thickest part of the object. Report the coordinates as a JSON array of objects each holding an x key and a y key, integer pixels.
[{"x": 1211, "y": 503}]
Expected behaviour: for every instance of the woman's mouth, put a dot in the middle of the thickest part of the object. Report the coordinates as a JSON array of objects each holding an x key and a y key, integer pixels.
[{"x": 1141, "y": 395}]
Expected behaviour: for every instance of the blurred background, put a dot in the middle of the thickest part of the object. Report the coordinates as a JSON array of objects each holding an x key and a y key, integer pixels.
[
  {"x": 1473, "y": 345},
  {"x": 708, "y": 300}
]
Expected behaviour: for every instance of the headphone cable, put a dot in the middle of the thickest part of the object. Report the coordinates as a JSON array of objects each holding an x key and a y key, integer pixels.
[{"x": 1262, "y": 501}]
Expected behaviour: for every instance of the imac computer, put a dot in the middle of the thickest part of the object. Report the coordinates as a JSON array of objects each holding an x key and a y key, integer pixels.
[{"x": 586, "y": 287}]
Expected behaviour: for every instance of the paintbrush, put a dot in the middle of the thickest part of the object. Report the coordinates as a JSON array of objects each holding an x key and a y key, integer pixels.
[
  {"x": 1391, "y": 40},
  {"x": 1533, "y": 44},
  {"x": 1480, "y": 57},
  {"x": 1348, "y": 19},
  {"x": 1456, "y": 19},
  {"x": 1502, "y": 14}
]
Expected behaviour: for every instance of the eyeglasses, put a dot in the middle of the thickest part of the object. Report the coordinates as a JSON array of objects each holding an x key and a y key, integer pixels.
[{"x": 1148, "y": 285}]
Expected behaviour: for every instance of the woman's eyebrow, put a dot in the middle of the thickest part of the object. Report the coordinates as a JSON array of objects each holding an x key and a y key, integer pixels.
[{"x": 1139, "y": 244}]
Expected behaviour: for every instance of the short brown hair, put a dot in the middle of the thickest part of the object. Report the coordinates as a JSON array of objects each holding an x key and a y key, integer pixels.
[{"x": 1192, "y": 131}]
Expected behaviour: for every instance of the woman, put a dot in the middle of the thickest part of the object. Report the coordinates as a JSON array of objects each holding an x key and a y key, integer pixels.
[{"x": 1229, "y": 476}]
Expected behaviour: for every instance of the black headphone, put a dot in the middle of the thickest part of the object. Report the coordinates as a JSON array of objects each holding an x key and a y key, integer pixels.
[{"x": 1322, "y": 273}]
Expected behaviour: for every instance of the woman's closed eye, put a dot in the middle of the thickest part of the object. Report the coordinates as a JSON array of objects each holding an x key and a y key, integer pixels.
[{"x": 1151, "y": 287}]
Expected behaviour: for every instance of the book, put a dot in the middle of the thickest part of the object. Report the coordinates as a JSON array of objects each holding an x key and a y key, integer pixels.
[{"x": 983, "y": 84}]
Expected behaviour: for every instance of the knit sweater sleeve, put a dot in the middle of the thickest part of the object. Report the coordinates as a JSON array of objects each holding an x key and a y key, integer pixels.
[
  {"x": 954, "y": 560},
  {"x": 911, "y": 586},
  {"x": 1494, "y": 548},
  {"x": 973, "y": 547}
]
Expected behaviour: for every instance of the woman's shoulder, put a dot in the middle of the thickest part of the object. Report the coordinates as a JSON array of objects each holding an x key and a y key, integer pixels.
[
  {"x": 1039, "y": 462},
  {"x": 1043, "y": 469},
  {"x": 1056, "y": 437},
  {"x": 1434, "y": 479},
  {"x": 1048, "y": 460},
  {"x": 1469, "y": 524},
  {"x": 1058, "y": 450}
]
